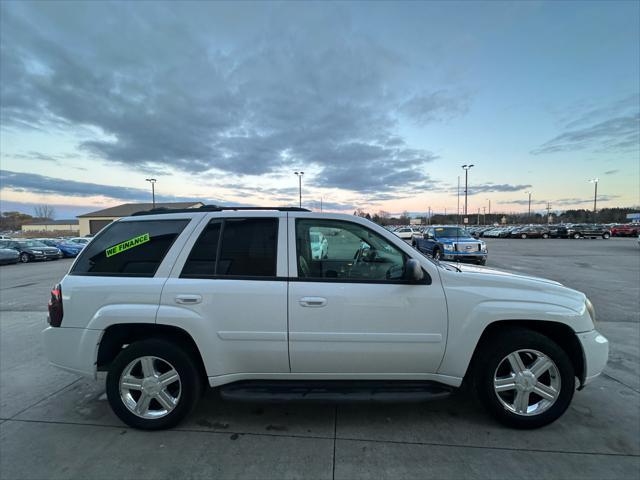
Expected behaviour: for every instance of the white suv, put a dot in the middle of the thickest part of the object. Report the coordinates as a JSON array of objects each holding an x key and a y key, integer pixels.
[{"x": 236, "y": 299}]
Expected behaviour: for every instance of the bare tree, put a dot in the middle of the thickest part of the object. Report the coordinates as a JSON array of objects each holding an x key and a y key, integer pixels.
[{"x": 44, "y": 211}]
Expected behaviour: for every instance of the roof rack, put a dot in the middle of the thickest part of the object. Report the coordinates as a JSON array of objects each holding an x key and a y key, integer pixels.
[{"x": 215, "y": 208}]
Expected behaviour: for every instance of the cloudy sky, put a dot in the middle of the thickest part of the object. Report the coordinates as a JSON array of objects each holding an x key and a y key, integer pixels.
[{"x": 379, "y": 103}]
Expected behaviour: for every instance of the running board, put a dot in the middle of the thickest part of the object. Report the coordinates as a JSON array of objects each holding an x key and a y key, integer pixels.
[{"x": 334, "y": 391}]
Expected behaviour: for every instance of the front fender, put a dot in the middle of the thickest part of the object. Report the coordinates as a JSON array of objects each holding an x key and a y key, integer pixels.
[{"x": 465, "y": 330}]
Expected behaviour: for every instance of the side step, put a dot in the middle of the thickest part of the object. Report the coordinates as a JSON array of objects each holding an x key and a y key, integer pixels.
[{"x": 334, "y": 391}]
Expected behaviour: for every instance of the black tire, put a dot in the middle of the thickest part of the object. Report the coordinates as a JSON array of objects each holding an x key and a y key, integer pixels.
[
  {"x": 492, "y": 353},
  {"x": 24, "y": 257},
  {"x": 606, "y": 235},
  {"x": 190, "y": 382},
  {"x": 523, "y": 236},
  {"x": 576, "y": 236},
  {"x": 482, "y": 261},
  {"x": 545, "y": 235},
  {"x": 437, "y": 254}
]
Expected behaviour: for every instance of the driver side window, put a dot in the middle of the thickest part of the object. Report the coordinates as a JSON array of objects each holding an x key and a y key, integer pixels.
[{"x": 328, "y": 249}]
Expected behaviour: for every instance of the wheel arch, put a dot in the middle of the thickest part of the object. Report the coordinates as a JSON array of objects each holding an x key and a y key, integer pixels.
[
  {"x": 118, "y": 336},
  {"x": 560, "y": 333}
]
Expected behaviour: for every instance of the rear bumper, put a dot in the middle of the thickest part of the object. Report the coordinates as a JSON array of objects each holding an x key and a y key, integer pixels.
[
  {"x": 72, "y": 349},
  {"x": 595, "y": 348}
]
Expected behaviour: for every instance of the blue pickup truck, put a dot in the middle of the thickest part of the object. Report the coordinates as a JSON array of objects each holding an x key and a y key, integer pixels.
[{"x": 450, "y": 243}]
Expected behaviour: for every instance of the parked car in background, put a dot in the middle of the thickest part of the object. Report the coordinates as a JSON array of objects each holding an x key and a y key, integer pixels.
[
  {"x": 9, "y": 256},
  {"x": 406, "y": 233},
  {"x": 625, "y": 230},
  {"x": 69, "y": 249},
  {"x": 535, "y": 231},
  {"x": 30, "y": 250},
  {"x": 585, "y": 230},
  {"x": 451, "y": 243},
  {"x": 81, "y": 240}
]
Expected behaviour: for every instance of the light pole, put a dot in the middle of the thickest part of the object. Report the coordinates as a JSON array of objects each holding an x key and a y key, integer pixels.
[
  {"x": 466, "y": 169},
  {"x": 299, "y": 174},
  {"x": 458, "y": 212},
  {"x": 529, "y": 214},
  {"x": 595, "y": 197},
  {"x": 152, "y": 181},
  {"x": 489, "y": 200},
  {"x": 484, "y": 215}
]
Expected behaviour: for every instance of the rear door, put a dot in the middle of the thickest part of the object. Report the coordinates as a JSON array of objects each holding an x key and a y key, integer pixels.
[{"x": 228, "y": 289}]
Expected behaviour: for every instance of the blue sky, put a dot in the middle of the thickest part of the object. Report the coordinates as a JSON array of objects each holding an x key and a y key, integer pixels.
[{"x": 379, "y": 103}]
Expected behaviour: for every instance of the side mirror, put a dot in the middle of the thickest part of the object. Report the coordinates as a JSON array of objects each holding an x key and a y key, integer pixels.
[{"x": 413, "y": 271}]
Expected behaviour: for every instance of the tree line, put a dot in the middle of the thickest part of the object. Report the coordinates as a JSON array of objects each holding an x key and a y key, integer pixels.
[{"x": 605, "y": 215}]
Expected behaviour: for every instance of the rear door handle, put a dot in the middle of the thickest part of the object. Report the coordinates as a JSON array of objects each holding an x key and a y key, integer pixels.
[
  {"x": 188, "y": 299},
  {"x": 314, "y": 302}
]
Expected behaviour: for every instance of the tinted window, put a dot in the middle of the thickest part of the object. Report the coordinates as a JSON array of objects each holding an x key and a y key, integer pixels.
[
  {"x": 129, "y": 248},
  {"x": 248, "y": 249},
  {"x": 202, "y": 259},
  {"x": 348, "y": 251}
]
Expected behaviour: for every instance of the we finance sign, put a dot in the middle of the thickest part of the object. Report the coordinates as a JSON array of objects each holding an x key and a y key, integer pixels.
[{"x": 132, "y": 243}]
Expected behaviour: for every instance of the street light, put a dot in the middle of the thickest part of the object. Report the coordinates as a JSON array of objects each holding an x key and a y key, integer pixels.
[
  {"x": 529, "y": 214},
  {"x": 595, "y": 197},
  {"x": 466, "y": 169},
  {"x": 152, "y": 181},
  {"x": 300, "y": 174}
]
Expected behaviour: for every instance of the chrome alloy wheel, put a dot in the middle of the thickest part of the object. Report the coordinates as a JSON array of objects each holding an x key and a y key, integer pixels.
[
  {"x": 527, "y": 382},
  {"x": 150, "y": 387}
]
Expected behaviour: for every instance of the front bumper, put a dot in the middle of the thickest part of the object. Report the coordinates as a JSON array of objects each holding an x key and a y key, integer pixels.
[
  {"x": 595, "y": 349},
  {"x": 462, "y": 256}
]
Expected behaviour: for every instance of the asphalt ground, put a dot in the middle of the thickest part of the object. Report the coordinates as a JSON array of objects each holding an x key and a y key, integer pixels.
[{"x": 56, "y": 425}]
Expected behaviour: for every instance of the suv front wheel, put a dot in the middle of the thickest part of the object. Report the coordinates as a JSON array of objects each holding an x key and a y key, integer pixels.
[
  {"x": 524, "y": 379},
  {"x": 153, "y": 384}
]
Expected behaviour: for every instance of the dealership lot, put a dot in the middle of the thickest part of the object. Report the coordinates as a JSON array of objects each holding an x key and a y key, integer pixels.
[{"x": 55, "y": 425}]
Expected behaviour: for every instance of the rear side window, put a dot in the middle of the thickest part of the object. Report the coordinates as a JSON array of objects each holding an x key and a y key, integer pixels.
[
  {"x": 133, "y": 249},
  {"x": 235, "y": 247}
]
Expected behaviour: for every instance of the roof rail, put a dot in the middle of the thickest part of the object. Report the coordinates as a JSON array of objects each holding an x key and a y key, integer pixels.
[{"x": 214, "y": 208}]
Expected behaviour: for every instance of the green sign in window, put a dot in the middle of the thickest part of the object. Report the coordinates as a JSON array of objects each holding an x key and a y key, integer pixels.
[{"x": 121, "y": 247}]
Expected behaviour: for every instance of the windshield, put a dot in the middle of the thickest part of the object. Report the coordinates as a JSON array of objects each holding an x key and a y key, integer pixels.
[
  {"x": 450, "y": 232},
  {"x": 32, "y": 243}
]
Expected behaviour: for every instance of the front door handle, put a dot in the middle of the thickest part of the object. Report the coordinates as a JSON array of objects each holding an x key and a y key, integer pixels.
[
  {"x": 188, "y": 299},
  {"x": 314, "y": 302}
]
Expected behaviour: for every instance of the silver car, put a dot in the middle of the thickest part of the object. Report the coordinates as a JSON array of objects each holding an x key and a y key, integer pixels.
[{"x": 8, "y": 256}]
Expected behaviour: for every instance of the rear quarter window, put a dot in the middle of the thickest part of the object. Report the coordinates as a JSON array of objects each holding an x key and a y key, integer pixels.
[{"x": 134, "y": 249}]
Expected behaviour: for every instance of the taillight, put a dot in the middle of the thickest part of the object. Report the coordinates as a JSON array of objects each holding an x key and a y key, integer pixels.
[{"x": 55, "y": 306}]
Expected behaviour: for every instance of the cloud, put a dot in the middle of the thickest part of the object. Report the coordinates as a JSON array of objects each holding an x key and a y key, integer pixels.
[
  {"x": 44, "y": 185},
  {"x": 614, "y": 128},
  {"x": 560, "y": 202},
  {"x": 436, "y": 106},
  {"x": 490, "y": 187},
  {"x": 611, "y": 172},
  {"x": 200, "y": 90}
]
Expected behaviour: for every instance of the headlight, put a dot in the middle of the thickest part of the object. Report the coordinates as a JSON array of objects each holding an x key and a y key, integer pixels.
[
  {"x": 591, "y": 310},
  {"x": 37, "y": 251},
  {"x": 483, "y": 247},
  {"x": 448, "y": 248}
]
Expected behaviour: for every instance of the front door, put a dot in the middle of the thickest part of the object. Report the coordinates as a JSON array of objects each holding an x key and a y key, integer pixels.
[{"x": 351, "y": 312}]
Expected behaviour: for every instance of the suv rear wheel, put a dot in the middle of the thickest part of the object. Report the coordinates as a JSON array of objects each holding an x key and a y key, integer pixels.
[
  {"x": 524, "y": 379},
  {"x": 153, "y": 384}
]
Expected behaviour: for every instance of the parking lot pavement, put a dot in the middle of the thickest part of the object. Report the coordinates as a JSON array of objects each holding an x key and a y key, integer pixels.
[
  {"x": 55, "y": 425},
  {"x": 25, "y": 286}
]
